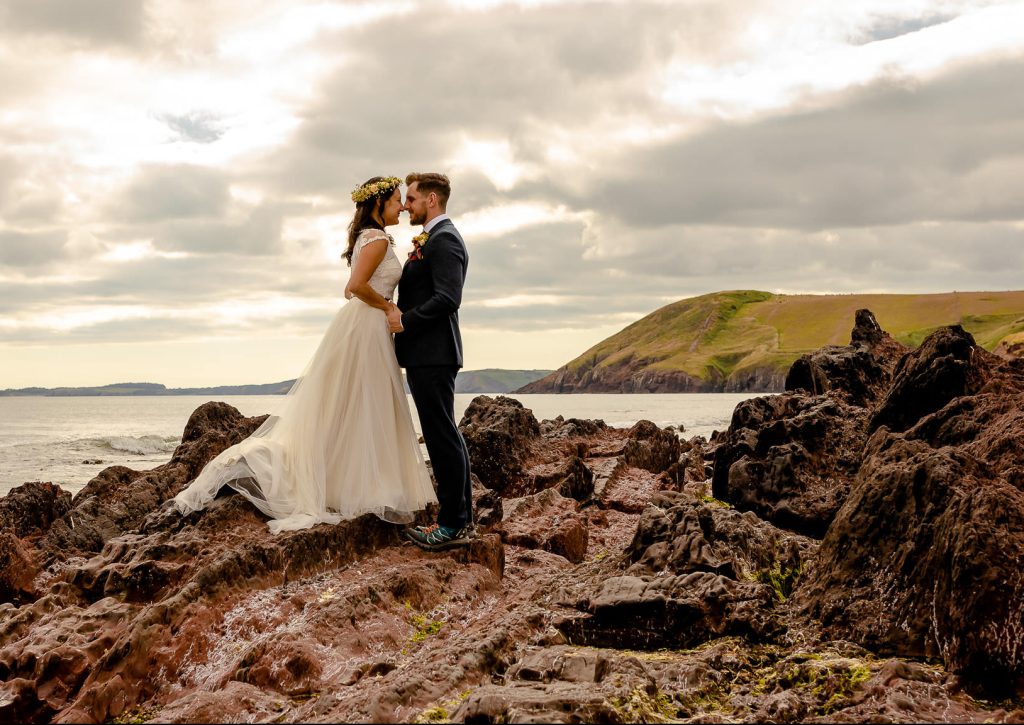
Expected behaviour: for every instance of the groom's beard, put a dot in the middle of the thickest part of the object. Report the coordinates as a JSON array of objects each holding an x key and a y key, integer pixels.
[{"x": 417, "y": 219}]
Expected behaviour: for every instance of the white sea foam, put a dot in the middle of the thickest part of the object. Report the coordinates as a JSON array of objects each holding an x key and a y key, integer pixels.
[{"x": 142, "y": 445}]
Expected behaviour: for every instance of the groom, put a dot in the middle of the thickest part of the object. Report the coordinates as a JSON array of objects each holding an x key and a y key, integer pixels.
[{"x": 428, "y": 345}]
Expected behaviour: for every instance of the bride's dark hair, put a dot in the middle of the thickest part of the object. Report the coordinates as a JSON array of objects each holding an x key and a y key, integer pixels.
[{"x": 363, "y": 218}]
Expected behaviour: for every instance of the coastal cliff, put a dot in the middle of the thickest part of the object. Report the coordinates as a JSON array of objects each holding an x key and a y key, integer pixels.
[
  {"x": 746, "y": 340},
  {"x": 848, "y": 550}
]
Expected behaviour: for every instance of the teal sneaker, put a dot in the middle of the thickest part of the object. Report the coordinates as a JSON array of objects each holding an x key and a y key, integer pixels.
[{"x": 439, "y": 538}]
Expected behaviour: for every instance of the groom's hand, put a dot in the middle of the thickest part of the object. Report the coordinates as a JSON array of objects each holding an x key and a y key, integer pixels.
[{"x": 395, "y": 319}]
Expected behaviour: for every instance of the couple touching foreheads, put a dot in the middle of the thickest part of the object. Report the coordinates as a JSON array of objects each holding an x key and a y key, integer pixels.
[{"x": 343, "y": 443}]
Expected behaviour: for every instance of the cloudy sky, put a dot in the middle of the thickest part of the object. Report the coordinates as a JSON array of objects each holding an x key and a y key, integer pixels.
[{"x": 175, "y": 175}]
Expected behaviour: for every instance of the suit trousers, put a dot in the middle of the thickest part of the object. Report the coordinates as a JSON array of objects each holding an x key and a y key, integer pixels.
[{"x": 433, "y": 392}]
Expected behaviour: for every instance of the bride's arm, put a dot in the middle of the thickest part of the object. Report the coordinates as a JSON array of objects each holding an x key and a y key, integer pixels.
[{"x": 370, "y": 257}]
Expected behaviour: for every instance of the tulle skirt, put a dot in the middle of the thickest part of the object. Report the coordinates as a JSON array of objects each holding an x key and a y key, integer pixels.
[{"x": 341, "y": 446}]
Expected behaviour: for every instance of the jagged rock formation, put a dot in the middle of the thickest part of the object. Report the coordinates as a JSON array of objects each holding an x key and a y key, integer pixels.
[
  {"x": 907, "y": 465},
  {"x": 924, "y": 558},
  {"x": 855, "y": 556},
  {"x": 791, "y": 458}
]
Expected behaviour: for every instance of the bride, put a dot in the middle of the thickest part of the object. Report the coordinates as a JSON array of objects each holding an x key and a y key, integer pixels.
[{"x": 342, "y": 444}]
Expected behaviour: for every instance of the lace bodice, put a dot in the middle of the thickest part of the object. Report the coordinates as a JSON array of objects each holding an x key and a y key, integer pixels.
[{"x": 385, "y": 278}]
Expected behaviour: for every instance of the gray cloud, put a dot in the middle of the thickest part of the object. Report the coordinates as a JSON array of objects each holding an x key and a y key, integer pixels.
[
  {"x": 9, "y": 170},
  {"x": 37, "y": 206},
  {"x": 913, "y": 256},
  {"x": 96, "y": 22},
  {"x": 259, "y": 233},
  {"x": 886, "y": 28},
  {"x": 255, "y": 231},
  {"x": 40, "y": 207},
  {"x": 31, "y": 249},
  {"x": 172, "y": 192},
  {"x": 887, "y": 154}
]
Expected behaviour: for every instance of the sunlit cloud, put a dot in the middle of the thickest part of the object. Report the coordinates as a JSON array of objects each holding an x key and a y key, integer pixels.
[
  {"x": 505, "y": 218},
  {"x": 801, "y": 73},
  {"x": 66, "y": 320},
  {"x": 525, "y": 301},
  {"x": 134, "y": 251},
  {"x": 495, "y": 159}
]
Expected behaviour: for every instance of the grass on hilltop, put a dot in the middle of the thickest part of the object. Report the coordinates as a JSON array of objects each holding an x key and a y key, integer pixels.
[{"x": 715, "y": 336}]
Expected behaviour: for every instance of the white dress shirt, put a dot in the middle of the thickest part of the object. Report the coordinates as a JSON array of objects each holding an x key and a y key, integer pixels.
[{"x": 434, "y": 222}]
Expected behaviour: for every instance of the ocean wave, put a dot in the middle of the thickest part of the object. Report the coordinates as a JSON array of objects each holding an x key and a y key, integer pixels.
[{"x": 142, "y": 445}]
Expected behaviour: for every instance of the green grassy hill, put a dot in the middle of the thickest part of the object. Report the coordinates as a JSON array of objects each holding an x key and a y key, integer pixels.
[{"x": 746, "y": 340}]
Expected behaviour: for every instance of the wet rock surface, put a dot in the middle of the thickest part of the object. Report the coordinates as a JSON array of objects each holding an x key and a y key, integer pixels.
[{"x": 855, "y": 556}]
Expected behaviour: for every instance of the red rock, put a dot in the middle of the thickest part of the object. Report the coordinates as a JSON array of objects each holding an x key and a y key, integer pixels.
[
  {"x": 651, "y": 448},
  {"x": 17, "y": 569},
  {"x": 790, "y": 458},
  {"x": 860, "y": 371},
  {"x": 924, "y": 557},
  {"x": 548, "y": 521},
  {"x": 681, "y": 535},
  {"x": 683, "y": 611},
  {"x": 497, "y": 432},
  {"x": 118, "y": 499},
  {"x": 348, "y": 623},
  {"x": 30, "y": 509},
  {"x": 947, "y": 365}
]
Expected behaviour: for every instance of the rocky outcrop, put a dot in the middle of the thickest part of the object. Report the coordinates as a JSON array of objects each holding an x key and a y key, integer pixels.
[
  {"x": 906, "y": 465},
  {"x": 859, "y": 372},
  {"x": 650, "y": 613},
  {"x": 119, "y": 498},
  {"x": 947, "y": 365},
  {"x": 791, "y": 458},
  {"x": 687, "y": 532},
  {"x": 697, "y": 571},
  {"x": 30, "y": 509},
  {"x": 212, "y": 599},
  {"x": 498, "y": 432},
  {"x": 17, "y": 569},
  {"x": 26, "y": 513},
  {"x": 695, "y": 598},
  {"x": 651, "y": 448},
  {"x": 924, "y": 557},
  {"x": 548, "y": 521}
]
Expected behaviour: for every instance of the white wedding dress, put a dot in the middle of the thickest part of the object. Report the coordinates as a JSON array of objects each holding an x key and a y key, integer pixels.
[{"x": 342, "y": 444}]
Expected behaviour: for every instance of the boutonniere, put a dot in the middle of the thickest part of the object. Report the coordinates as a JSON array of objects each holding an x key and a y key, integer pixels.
[{"x": 417, "y": 245}]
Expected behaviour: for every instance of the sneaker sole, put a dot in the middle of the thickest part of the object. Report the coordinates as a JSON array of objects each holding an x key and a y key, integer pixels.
[{"x": 453, "y": 544}]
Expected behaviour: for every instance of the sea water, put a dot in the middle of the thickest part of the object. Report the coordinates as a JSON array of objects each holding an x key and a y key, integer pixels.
[{"x": 70, "y": 440}]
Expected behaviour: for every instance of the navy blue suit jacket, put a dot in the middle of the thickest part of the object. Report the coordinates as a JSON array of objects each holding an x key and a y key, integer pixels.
[{"x": 429, "y": 296}]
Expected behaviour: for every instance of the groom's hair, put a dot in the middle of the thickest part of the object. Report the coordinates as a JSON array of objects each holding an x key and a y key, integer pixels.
[{"x": 432, "y": 183}]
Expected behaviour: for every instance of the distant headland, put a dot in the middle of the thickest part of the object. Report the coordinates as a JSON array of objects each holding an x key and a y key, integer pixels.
[{"x": 490, "y": 380}]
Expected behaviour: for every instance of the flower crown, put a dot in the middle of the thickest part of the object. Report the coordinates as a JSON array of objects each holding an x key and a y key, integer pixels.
[{"x": 377, "y": 188}]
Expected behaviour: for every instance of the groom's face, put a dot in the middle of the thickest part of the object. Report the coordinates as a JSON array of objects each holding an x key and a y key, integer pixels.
[{"x": 416, "y": 204}]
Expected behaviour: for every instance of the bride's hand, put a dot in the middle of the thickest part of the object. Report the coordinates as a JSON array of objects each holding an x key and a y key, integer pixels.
[{"x": 348, "y": 293}]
